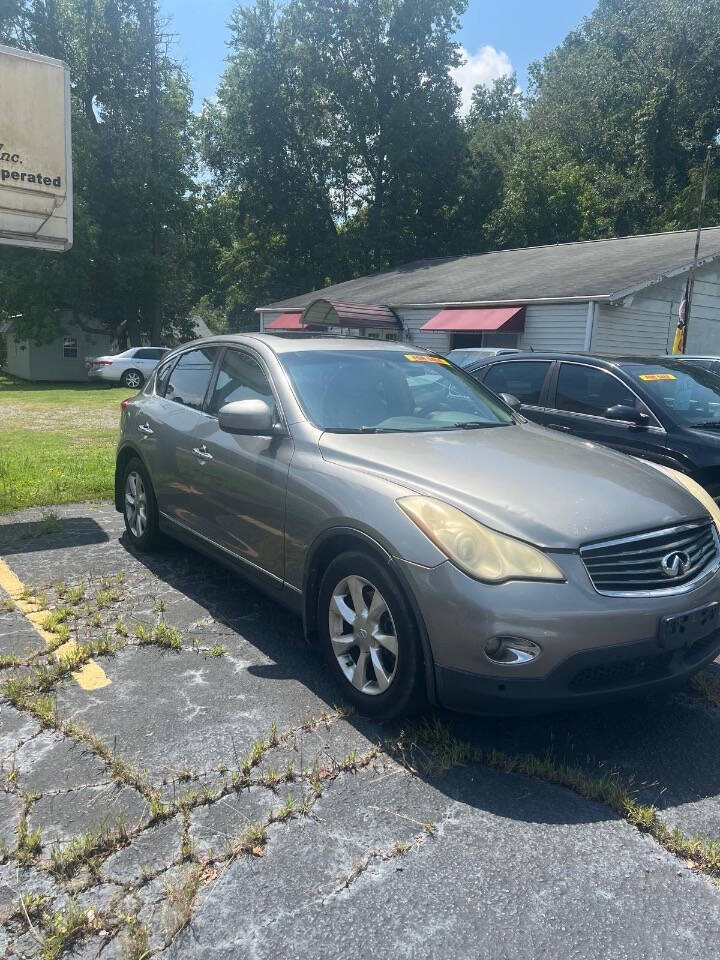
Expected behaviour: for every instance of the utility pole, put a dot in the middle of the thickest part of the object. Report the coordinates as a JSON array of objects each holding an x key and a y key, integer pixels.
[
  {"x": 156, "y": 315},
  {"x": 691, "y": 276}
]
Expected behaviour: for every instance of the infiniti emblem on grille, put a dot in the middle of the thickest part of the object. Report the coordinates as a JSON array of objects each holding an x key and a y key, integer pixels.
[{"x": 676, "y": 564}]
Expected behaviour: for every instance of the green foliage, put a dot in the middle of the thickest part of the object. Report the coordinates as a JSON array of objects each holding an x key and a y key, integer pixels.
[
  {"x": 133, "y": 159},
  {"x": 335, "y": 148}
]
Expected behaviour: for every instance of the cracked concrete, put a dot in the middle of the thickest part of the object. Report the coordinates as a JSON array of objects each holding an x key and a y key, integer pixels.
[{"x": 472, "y": 863}]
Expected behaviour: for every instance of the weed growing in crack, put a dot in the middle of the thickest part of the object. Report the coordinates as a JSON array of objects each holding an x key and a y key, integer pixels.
[
  {"x": 120, "y": 629},
  {"x": 135, "y": 939},
  {"x": 256, "y": 754},
  {"x": 9, "y": 660},
  {"x": 433, "y": 747},
  {"x": 6, "y": 605},
  {"x": 29, "y": 842},
  {"x": 160, "y": 636},
  {"x": 87, "y": 850},
  {"x": 106, "y": 596},
  {"x": 181, "y": 897},
  {"x": 707, "y": 685},
  {"x": 253, "y": 841},
  {"x": 216, "y": 650},
  {"x": 63, "y": 930},
  {"x": 56, "y": 619},
  {"x": 284, "y": 812}
]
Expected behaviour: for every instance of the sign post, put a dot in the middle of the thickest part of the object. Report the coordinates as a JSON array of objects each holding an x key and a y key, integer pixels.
[{"x": 35, "y": 152}]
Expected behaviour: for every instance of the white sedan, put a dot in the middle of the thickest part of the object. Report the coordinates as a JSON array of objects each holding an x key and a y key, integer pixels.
[{"x": 131, "y": 368}]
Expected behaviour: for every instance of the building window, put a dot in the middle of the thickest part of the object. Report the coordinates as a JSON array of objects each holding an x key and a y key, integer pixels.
[{"x": 69, "y": 347}]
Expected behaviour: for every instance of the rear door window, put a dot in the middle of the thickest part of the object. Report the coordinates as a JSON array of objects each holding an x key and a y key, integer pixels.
[
  {"x": 190, "y": 377},
  {"x": 147, "y": 353},
  {"x": 523, "y": 379},
  {"x": 587, "y": 390}
]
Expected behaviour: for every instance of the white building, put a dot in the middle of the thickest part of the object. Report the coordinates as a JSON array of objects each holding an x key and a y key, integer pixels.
[{"x": 604, "y": 296}]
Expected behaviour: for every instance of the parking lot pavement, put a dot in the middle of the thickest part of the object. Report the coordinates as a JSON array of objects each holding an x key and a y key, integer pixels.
[{"x": 179, "y": 779}]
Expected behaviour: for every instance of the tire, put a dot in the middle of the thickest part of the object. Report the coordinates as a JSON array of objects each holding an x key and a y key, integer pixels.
[
  {"x": 132, "y": 379},
  {"x": 141, "y": 524},
  {"x": 378, "y": 682}
]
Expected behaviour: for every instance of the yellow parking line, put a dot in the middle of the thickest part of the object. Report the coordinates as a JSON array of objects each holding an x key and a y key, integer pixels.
[{"x": 91, "y": 676}]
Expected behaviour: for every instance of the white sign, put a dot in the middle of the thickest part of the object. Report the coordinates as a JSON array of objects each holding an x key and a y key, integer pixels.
[{"x": 35, "y": 151}]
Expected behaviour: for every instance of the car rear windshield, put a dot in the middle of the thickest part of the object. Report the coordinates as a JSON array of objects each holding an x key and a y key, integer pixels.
[
  {"x": 377, "y": 391},
  {"x": 691, "y": 393}
]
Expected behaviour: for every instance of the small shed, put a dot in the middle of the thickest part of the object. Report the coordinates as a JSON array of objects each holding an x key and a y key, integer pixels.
[
  {"x": 605, "y": 296},
  {"x": 61, "y": 359}
]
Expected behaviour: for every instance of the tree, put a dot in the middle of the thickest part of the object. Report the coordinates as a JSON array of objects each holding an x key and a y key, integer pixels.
[
  {"x": 335, "y": 139},
  {"x": 133, "y": 159},
  {"x": 636, "y": 90},
  {"x": 495, "y": 128}
]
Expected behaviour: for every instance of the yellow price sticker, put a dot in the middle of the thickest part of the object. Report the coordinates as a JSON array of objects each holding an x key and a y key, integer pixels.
[
  {"x": 657, "y": 376},
  {"x": 425, "y": 358}
]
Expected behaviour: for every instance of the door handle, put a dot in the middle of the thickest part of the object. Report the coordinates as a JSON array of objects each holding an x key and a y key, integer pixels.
[
  {"x": 145, "y": 429},
  {"x": 202, "y": 452},
  {"x": 559, "y": 426}
]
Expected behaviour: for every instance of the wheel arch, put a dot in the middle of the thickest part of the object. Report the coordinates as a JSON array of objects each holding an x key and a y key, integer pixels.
[{"x": 330, "y": 544}]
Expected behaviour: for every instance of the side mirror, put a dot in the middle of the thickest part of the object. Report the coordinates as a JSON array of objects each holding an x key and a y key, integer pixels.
[
  {"x": 510, "y": 401},
  {"x": 630, "y": 414},
  {"x": 250, "y": 417}
]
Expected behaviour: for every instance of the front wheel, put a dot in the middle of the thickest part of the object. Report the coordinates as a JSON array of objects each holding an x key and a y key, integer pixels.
[
  {"x": 132, "y": 379},
  {"x": 140, "y": 507},
  {"x": 369, "y": 637}
]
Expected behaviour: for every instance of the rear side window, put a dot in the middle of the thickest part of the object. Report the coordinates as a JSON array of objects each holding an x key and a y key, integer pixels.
[
  {"x": 240, "y": 378},
  {"x": 190, "y": 377},
  {"x": 590, "y": 391},
  {"x": 163, "y": 375},
  {"x": 523, "y": 380},
  {"x": 147, "y": 353}
]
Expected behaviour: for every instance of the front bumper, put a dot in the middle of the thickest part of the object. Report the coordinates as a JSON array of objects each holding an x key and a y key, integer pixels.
[{"x": 595, "y": 648}]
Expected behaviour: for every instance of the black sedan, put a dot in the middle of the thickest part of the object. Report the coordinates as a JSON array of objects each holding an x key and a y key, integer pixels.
[{"x": 659, "y": 408}]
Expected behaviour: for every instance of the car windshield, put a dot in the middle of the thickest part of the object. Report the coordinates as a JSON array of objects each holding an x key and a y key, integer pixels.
[
  {"x": 378, "y": 391},
  {"x": 690, "y": 392}
]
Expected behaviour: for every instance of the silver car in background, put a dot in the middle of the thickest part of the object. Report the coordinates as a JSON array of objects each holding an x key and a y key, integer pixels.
[
  {"x": 131, "y": 368},
  {"x": 436, "y": 544}
]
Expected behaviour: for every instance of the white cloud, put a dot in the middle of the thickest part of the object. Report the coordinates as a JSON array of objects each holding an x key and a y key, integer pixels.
[{"x": 482, "y": 67}]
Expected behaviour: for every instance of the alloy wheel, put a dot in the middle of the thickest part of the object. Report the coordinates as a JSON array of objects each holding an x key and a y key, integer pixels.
[
  {"x": 363, "y": 635},
  {"x": 132, "y": 380},
  {"x": 136, "y": 504}
]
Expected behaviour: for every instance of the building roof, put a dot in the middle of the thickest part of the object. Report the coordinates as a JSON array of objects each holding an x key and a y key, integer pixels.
[{"x": 589, "y": 270}]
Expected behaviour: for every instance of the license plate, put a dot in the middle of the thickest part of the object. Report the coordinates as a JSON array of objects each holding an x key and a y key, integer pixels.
[{"x": 685, "y": 628}]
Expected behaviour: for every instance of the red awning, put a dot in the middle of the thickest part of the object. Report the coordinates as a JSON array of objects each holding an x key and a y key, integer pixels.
[
  {"x": 287, "y": 321},
  {"x": 479, "y": 319}
]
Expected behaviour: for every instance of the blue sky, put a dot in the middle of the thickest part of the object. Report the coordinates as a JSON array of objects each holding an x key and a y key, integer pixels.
[{"x": 497, "y": 35}]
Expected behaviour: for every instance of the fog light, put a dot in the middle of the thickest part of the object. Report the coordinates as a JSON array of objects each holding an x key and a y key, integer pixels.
[{"x": 511, "y": 650}]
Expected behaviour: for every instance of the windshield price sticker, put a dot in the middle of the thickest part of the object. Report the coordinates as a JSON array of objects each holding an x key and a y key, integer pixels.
[
  {"x": 651, "y": 377},
  {"x": 425, "y": 358}
]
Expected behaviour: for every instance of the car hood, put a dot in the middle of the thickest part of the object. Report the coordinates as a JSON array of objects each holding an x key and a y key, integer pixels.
[{"x": 523, "y": 480}]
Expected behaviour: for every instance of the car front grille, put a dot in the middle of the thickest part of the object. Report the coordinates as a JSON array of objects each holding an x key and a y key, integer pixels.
[{"x": 635, "y": 564}]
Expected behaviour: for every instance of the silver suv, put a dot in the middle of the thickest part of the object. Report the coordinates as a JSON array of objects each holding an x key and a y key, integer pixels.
[{"x": 436, "y": 544}]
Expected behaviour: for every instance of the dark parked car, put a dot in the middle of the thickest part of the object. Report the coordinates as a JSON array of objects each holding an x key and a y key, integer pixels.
[
  {"x": 434, "y": 542},
  {"x": 707, "y": 363},
  {"x": 659, "y": 408}
]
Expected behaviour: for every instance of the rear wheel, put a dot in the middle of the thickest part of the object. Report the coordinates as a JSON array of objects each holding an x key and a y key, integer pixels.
[
  {"x": 369, "y": 637},
  {"x": 140, "y": 507},
  {"x": 132, "y": 379}
]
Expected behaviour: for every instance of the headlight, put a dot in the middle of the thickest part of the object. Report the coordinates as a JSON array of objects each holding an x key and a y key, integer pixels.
[
  {"x": 478, "y": 551},
  {"x": 693, "y": 487}
]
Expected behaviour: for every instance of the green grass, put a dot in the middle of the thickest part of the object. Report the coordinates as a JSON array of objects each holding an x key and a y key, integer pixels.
[{"x": 57, "y": 442}]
